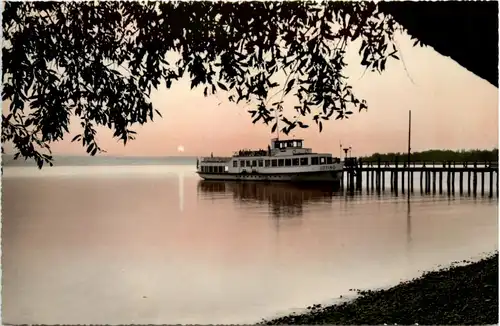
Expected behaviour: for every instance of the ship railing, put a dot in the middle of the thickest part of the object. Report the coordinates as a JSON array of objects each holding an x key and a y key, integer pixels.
[
  {"x": 215, "y": 159},
  {"x": 244, "y": 153}
]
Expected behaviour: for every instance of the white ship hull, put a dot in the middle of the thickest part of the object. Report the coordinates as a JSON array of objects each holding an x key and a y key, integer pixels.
[{"x": 317, "y": 176}]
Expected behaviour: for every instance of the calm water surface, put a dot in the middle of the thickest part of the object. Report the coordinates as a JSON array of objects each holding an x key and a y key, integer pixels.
[{"x": 154, "y": 244}]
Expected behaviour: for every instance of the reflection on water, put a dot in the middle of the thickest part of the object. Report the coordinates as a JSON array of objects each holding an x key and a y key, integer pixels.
[
  {"x": 282, "y": 199},
  {"x": 155, "y": 245}
]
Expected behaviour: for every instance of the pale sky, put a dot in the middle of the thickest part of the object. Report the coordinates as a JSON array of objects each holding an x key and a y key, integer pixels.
[{"x": 451, "y": 109}]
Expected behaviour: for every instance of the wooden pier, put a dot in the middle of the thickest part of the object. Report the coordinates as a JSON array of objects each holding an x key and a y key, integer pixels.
[{"x": 431, "y": 176}]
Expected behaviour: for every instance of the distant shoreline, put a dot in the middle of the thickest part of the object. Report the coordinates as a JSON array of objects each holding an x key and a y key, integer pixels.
[
  {"x": 8, "y": 160},
  {"x": 455, "y": 295}
]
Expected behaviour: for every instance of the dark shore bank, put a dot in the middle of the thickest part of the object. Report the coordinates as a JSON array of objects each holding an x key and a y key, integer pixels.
[{"x": 456, "y": 295}]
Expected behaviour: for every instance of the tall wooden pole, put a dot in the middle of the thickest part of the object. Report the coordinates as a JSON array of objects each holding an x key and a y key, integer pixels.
[{"x": 409, "y": 149}]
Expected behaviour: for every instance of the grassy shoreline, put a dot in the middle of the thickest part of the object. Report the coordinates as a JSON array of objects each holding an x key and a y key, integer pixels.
[{"x": 456, "y": 295}]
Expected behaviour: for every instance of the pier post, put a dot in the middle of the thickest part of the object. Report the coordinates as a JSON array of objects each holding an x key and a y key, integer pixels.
[
  {"x": 441, "y": 179},
  {"x": 383, "y": 179},
  {"x": 392, "y": 179},
  {"x": 496, "y": 174},
  {"x": 491, "y": 181},
  {"x": 422, "y": 179},
  {"x": 396, "y": 176},
  {"x": 453, "y": 178},
  {"x": 411, "y": 179},
  {"x": 433, "y": 181},
  {"x": 448, "y": 178},
  {"x": 474, "y": 180},
  {"x": 403, "y": 178},
  {"x": 482, "y": 183},
  {"x": 347, "y": 179},
  {"x": 429, "y": 181},
  {"x": 353, "y": 178},
  {"x": 468, "y": 180},
  {"x": 378, "y": 174},
  {"x": 372, "y": 176},
  {"x": 359, "y": 175},
  {"x": 460, "y": 181},
  {"x": 426, "y": 181},
  {"x": 368, "y": 177}
]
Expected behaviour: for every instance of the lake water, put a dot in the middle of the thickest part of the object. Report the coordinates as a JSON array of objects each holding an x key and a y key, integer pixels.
[{"x": 154, "y": 244}]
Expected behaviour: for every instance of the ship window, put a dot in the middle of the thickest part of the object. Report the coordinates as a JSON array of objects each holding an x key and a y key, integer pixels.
[
  {"x": 288, "y": 162},
  {"x": 249, "y": 164},
  {"x": 242, "y": 164},
  {"x": 226, "y": 169},
  {"x": 322, "y": 160},
  {"x": 235, "y": 164},
  {"x": 274, "y": 162},
  {"x": 314, "y": 160},
  {"x": 299, "y": 144},
  {"x": 329, "y": 160},
  {"x": 267, "y": 163},
  {"x": 295, "y": 161},
  {"x": 294, "y": 143},
  {"x": 281, "y": 162},
  {"x": 261, "y": 163},
  {"x": 221, "y": 169},
  {"x": 254, "y": 163},
  {"x": 304, "y": 161}
]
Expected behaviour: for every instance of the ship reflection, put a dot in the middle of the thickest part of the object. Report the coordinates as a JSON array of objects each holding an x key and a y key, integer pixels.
[{"x": 282, "y": 199}]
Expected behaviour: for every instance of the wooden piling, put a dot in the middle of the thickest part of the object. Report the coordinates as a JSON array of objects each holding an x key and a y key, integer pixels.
[
  {"x": 396, "y": 185},
  {"x": 378, "y": 174},
  {"x": 372, "y": 176},
  {"x": 368, "y": 179},
  {"x": 460, "y": 181},
  {"x": 422, "y": 180},
  {"x": 468, "y": 182},
  {"x": 452, "y": 170},
  {"x": 482, "y": 183},
  {"x": 474, "y": 180},
  {"x": 434, "y": 182},
  {"x": 496, "y": 173},
  {"x": 403, "y": 178},
  {"x": 448, "y": 179},
  {"x": 383, "y": 180},
  {"x": 411, "y": 181},
  {"x": 491, "y": 183},
  {"x": 392, "y": 180},
  {"x": 440, "y": 182}
]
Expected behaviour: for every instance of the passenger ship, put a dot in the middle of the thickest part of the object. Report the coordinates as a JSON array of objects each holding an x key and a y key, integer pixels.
[{"x": 284, "y": 160}]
